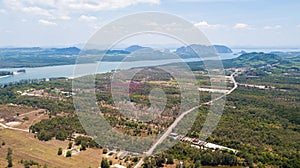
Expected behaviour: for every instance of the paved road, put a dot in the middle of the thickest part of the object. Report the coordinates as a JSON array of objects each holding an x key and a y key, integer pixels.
[
  {"x": 165, "y": 135},
  {"x": 140, "y": 163},
  {"x": 169, "y": 130}
]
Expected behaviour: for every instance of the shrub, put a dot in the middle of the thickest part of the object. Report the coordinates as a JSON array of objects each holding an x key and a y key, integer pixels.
[
  {"x": 70, "y": 145},
  {"x": 26, "y": 118},
  {"x": 69, "y": 153},
  {"x": 59, "y": 152}
]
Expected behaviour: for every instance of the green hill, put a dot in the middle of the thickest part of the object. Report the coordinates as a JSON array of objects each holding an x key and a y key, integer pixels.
[{"x": 256, "y": 60}]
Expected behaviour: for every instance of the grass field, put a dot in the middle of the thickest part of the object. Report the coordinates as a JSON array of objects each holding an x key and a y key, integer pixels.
[
  {"x": 26, "y": 147},
  {"x": 9, "y": 111}
]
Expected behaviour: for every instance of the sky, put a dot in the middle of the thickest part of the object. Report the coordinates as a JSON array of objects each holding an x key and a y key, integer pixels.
[{"x": 235, "y": 23}]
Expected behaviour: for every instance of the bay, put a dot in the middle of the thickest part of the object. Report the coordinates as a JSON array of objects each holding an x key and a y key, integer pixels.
[{"x": 68, "y": 70}]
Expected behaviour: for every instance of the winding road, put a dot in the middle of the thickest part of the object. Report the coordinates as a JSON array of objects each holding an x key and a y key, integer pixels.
[{"x": 169, "y": 130}]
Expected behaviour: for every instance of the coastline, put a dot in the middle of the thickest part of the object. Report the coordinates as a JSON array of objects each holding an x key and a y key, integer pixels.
[
  {"x": 13, "y": 74},
  {"x": 5, "y": 76}
]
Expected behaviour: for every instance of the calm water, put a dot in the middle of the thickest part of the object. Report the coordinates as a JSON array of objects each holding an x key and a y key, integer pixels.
[
  {"x": 265, "y": 50},
  {"x": 68, "y": 70}
]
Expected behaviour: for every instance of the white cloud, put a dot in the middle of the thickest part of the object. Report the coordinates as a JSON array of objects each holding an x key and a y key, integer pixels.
[
  {"x": 87, "y": 18},
  {"x": 241, "y": 26},
  {"x": 96, "y": 5},
  {"x": 205, "y": 25},
  {"x": 272, "y": 27},
  {"x": 64, "y": 7},
  {"x": 47, "y": 22},
  {"x": 36, "y": 10},
  {"x": 65, "y": 17},
  {"x": 298, "y": 26},
  {"x": 26, "y": 7}
]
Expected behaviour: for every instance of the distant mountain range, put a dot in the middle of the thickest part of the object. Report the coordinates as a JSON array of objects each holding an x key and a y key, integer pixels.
[
  {"x": 193, "y": 50},
  {"x": 34, "y": 57},
  {"x": 135, "y": 48},
  {"x": 128, "y": 50},
  {"x": 188, "y": 49},
  {"x": 195, "y": 47},
  {"x": 58, "y": 56}
]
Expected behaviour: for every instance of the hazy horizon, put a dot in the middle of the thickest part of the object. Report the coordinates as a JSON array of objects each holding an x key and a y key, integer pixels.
[{"x": 232, "y": 23}]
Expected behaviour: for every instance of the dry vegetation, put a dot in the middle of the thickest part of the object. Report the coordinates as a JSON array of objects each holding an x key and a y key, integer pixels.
[
  {"x": 9, "y": 111},
  {"x": 26, "y": 147}
]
